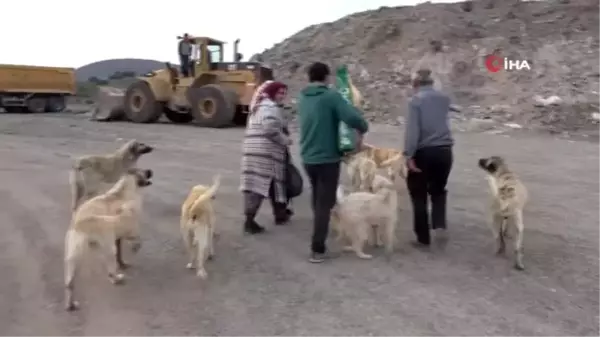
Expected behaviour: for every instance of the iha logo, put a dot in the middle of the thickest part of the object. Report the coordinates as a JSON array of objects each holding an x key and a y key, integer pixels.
[{"x": 495, "y": 63}]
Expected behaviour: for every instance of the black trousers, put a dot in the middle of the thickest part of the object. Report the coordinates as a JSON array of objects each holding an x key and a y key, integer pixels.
[
  {"x": 324, "y": 180},
  {"x": 435, "y": 164},
  {"x": 252, "y": 202},
  {"x": 185, "y": 65}
]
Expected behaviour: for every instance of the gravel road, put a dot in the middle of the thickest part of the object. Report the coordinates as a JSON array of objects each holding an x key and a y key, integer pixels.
[{"x": 263, "y": 285}]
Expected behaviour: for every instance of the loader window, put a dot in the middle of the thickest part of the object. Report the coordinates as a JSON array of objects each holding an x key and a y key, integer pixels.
[
  {"x": 214, "y": 53},
  {"x": 197, "y": 52}
]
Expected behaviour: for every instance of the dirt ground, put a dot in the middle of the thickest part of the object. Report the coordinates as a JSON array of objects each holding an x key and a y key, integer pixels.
[{"x": 263, "y": 285}]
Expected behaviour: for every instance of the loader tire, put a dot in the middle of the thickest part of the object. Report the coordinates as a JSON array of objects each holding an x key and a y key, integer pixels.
[
  {"x": 178, "y": 117},
  {"x": 212, "y": 105},
  {"x": 141, "y": 105}
]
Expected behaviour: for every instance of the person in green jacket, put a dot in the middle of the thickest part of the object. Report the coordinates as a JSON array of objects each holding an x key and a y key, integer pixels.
[{"x": 320, "y": 111}]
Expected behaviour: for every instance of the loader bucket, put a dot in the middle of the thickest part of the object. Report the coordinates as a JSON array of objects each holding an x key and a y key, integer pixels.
[{"x": 109, "y": 104}]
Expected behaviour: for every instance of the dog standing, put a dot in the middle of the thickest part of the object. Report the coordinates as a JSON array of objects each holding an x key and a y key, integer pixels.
[
  {"x": 198, "y": 225},
  {"x": 99, "y": 222},
  {"x": 509, "y": 197},
  {"x": 94, "y": 174},
  {"x": 361, "y": 171},
  {"x": 355, "y": 215},
  {"x": 362, "y": 166}
]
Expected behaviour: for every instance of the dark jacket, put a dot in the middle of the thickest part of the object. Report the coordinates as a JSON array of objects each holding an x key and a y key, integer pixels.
[{"x": 320, "y": 111}]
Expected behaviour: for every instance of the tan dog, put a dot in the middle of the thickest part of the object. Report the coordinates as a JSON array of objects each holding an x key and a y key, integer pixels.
[
  {"x": 102, "y": 220},
  {"x": 379, "y": 154},
  {"x": 355, "y": 215},
  {"x": 509, "y": 197},
  {"x": 396, "y": 169},
  {"x": 361, "y": 171},
  {"x": 360, "y": 166},
  {"x": 198, "y": 225},
  {"x": 95, "y": 174}
]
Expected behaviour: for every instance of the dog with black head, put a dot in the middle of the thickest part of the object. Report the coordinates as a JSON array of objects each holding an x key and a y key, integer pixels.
[{"x": 509, "y": 197}]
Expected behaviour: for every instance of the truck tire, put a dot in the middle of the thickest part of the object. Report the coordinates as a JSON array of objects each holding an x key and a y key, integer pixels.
[
  {"x": 178, "y": 117},
  {"x": 212, "y": 105},
  {"x": 56, "y": 104},
  {"x": 141, "y": 105},
  {"x": 36, "y": 104}
]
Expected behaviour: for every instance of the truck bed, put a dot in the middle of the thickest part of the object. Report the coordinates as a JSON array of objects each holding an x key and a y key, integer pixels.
[{"x": 35, "y": 79}]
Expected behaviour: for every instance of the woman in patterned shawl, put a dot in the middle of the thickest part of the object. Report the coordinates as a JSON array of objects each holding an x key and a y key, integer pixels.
[{"x": 264, "y": 156}]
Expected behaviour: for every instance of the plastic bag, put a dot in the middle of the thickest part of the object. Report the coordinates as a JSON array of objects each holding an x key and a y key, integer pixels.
[{"x": 348, "y": 138}]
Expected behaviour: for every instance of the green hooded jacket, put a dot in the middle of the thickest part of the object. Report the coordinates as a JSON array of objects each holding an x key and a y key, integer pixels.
[{"x": 320, "y": 111}]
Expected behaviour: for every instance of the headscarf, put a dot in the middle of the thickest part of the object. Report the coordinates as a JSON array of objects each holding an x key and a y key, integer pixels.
[{"x": 266, "y": 90}]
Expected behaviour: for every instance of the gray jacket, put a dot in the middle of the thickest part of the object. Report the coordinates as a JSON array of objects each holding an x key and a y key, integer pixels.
[
  {"x": 428, "y": 122},
  {"x": 185, "y": 48}
]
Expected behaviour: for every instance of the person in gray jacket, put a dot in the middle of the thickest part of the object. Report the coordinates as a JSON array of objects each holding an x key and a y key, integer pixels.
[
  {"x": 185, "y": 51},
  {"x": 428, "y": 151}
]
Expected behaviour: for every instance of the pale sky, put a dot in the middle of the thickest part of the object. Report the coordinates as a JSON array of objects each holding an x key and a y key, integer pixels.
[{"x": 73, "y": 33}]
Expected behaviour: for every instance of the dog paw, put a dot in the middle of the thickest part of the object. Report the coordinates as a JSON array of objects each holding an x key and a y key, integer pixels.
[
  {"x": 519, "y": 266},
  {"x": 72, "y": 306},
  {"x": 202, "y": 274},
  {"x": 189, "y": 266},
  {"x": 365, "y": 256},
  {"x": 347, "y": 249}
]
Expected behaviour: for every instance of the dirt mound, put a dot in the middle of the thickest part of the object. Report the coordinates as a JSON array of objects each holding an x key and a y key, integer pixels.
[
  {"x": 558, "y": 39},
  {"x": 104, "y": 69}
]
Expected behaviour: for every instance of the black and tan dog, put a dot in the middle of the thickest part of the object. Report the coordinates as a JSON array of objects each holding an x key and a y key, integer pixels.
[
  {"x": 99, "y": 222},
  {"x": 92, "y": 175},
  {"x": 509, "y": 197}
]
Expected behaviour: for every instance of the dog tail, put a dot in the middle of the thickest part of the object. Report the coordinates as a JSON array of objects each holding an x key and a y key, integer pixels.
[{"x": 208, "y": 194}]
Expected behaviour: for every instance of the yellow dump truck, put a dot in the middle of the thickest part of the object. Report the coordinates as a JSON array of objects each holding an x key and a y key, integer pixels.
[{"x": 35, "y": 89}]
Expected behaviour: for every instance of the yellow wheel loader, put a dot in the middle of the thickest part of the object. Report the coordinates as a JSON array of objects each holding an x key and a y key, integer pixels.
[{"x": 217, "y": 93}]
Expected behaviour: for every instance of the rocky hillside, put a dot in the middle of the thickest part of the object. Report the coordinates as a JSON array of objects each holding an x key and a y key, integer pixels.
[
  {"x": 383, "y": 47},
  {"x": 104, "y": 69}
]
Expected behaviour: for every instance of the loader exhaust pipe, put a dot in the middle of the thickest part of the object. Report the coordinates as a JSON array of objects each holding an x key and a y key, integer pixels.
[{"x": 237, "y": 57}]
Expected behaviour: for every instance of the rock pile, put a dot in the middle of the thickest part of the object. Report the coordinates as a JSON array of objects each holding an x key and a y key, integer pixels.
[{"x": 384, "y": 47}]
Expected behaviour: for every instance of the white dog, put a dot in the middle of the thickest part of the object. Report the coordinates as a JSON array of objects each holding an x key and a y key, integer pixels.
[{"x": 355, "y": 215}]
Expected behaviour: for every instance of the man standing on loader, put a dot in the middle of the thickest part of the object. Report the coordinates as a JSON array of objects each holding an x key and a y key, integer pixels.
[{"x": 185, "y": 51}]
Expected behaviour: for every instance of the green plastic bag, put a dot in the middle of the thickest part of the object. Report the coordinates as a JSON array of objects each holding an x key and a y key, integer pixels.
[{"x": 347, "y": 136}]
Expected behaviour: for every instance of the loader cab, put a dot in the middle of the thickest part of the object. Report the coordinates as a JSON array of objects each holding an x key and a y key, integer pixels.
[{"x": 206, "y": 53}]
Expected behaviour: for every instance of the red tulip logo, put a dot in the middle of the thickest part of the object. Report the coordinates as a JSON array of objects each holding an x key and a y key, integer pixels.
[{"x": 494, "y": 63}]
